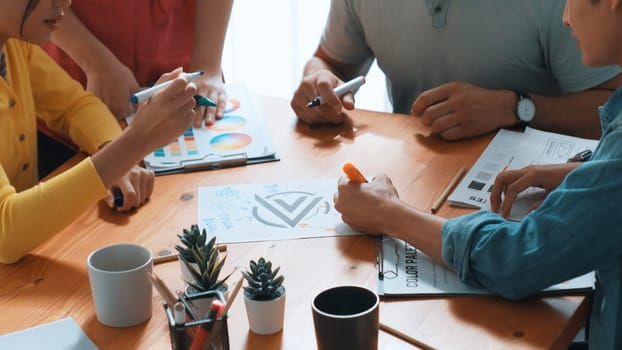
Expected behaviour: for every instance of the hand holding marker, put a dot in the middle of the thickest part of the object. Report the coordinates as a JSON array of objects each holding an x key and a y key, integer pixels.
[
  {"x": 354, "y": 175},
  {"x": 340, "y": 90},
  {"x": 144, "y": 95}
]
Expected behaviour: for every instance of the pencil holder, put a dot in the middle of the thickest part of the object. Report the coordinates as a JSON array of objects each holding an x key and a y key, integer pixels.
[{"x": 197, "y": 331}]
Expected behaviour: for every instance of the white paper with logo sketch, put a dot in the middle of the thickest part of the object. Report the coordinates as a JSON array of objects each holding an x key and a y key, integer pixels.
[
  {"x": 511, "y": 150},
  {"x": 271, "y": 211},
  {"x": 406, "y": 271}
]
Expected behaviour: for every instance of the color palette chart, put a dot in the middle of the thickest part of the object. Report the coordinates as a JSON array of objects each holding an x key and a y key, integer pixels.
[{"x": 240, "y": 133}]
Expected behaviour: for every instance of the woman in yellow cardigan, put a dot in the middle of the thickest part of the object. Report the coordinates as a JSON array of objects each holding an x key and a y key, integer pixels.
[{"x": 31, "y": 85}]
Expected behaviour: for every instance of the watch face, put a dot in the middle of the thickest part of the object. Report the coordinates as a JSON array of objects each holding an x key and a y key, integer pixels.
[{"x": 526, "y": 110}]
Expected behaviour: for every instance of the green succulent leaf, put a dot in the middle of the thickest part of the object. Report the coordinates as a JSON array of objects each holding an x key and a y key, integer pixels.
[{"x": 263, "y": 283}]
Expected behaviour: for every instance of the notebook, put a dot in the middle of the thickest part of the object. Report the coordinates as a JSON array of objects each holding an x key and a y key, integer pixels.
[{"x": 64, "y": 334}]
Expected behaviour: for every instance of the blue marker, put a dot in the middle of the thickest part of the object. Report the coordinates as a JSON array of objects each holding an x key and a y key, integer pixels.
[
  {"x": 118, "y": 198},
  {"x": 143, "y": 95}
]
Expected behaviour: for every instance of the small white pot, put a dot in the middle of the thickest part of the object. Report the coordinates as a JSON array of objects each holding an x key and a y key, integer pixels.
[
  {"x": 265, "y": 316},
  {"x": 185, "y": 273}
]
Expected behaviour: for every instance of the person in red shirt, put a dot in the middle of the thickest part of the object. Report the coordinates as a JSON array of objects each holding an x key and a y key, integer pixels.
[{"x": 114, "y": 47}]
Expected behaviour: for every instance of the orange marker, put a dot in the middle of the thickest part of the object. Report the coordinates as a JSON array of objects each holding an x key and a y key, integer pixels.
[
  {"x": 203, "y": 332},
  {"x": 354, "y": 175}
]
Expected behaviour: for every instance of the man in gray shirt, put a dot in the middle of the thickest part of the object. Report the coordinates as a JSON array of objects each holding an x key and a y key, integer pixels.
[{"x": 466, "y": 67}]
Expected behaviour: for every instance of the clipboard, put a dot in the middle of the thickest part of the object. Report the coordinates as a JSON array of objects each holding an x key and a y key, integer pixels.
[
  {"x": 239, "y": 138},
  {"x": 405, "y": 271}
]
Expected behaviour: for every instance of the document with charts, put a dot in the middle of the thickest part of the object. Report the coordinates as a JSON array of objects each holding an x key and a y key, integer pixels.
[
  {"x": 406, "y": 271},
  {"x": 239, "y": 138},
  {"x": 510, "y": 150},
  {"x": 271, "y": 211}
]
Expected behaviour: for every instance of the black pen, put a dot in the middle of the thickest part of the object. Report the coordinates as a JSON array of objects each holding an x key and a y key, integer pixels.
[
  {"x": 380, "y": 256},
  {"x": 581, "y": 156}
]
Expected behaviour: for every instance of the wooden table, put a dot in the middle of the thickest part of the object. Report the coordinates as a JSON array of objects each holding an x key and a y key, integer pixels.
[{"x": 52, "y": 283}]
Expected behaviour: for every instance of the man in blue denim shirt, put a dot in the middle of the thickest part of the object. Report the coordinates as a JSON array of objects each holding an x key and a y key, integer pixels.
[{"x": 575, "y": 230}]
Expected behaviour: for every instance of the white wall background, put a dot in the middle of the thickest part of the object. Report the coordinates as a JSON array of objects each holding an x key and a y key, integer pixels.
[{"x": 269, "y": 41}]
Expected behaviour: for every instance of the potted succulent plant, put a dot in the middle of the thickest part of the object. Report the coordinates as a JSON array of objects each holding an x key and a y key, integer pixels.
[
  {"x": 264, "y": 297},
  {"x": 205, "y": 275},
  {"x": 190, "y": 238}
]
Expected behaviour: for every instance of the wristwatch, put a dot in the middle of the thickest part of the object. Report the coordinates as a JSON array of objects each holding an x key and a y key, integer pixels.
[{"x": 525, "y": 109}]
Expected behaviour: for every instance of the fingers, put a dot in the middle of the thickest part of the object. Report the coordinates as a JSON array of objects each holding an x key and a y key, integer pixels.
[
  {"x": 200, "y": 115},
  {"x": 430, "y": 98},
  {"x": 136, "y": 187},
  {"x": 171, "y": 75},
  {"x": 535, "y": 205},
  {"x": 179, "y": 95},
  {"x": 330, "y": 111},
  {"x": 213, "y": 113},
  {"x": 506, "y": 188},
  {"x": 209, "y": 115},
  {"x": 348, "y": 101}
]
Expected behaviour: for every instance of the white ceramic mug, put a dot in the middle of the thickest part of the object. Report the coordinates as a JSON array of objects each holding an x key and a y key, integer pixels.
[{"x": 119, "y": 284}]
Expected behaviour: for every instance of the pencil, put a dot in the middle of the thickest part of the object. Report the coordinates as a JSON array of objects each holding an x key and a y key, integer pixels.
[
  {"x": 448, "y": 190},
  {"x": 159, "y": 259},
  {"x": 165, "y": 293},
  {"x": 164, "y": 258},
  {"x": 405, "y": 337},
  {"x": 354, "y": 175}
]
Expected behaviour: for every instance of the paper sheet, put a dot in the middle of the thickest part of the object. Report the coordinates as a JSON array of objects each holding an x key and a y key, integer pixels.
[
  {"x": 511, "y": 150},
  {"x": 271, "y": 211},
  {"x": 406, "y": 271}
]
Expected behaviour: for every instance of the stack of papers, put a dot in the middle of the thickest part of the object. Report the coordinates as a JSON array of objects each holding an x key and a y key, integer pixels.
[{"x": 511, "y": 150}]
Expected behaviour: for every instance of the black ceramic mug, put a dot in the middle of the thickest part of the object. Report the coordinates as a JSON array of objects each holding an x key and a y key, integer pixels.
[{"x": 346, "y": 317}]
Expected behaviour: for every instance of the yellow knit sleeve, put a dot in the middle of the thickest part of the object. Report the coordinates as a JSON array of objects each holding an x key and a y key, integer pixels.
[
  {"x": 66, "y": 107},
  {"x": 31, "y": 217}
]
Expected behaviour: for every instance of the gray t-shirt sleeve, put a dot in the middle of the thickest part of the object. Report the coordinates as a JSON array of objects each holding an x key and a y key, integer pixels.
[
  {"x": 343, "y": 38},
  {"x": 561, "y": 54}
]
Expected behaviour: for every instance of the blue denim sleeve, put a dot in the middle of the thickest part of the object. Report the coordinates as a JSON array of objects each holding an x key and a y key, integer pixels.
[{"x": 573, "y": 232}]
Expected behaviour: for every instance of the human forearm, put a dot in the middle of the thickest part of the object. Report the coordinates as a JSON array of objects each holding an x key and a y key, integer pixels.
[
  {"x": 375, "y": 207},
  {"x": 418, "y": 228},
  {"x": 81, "y": 45},
  {"x": 321, "y": 61},
  {"x": 574, "y": 114},
  {"x": 32, "y": 216},
  {"x": 211, "y": 20},
  {"x": 117, "y": 157}
]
